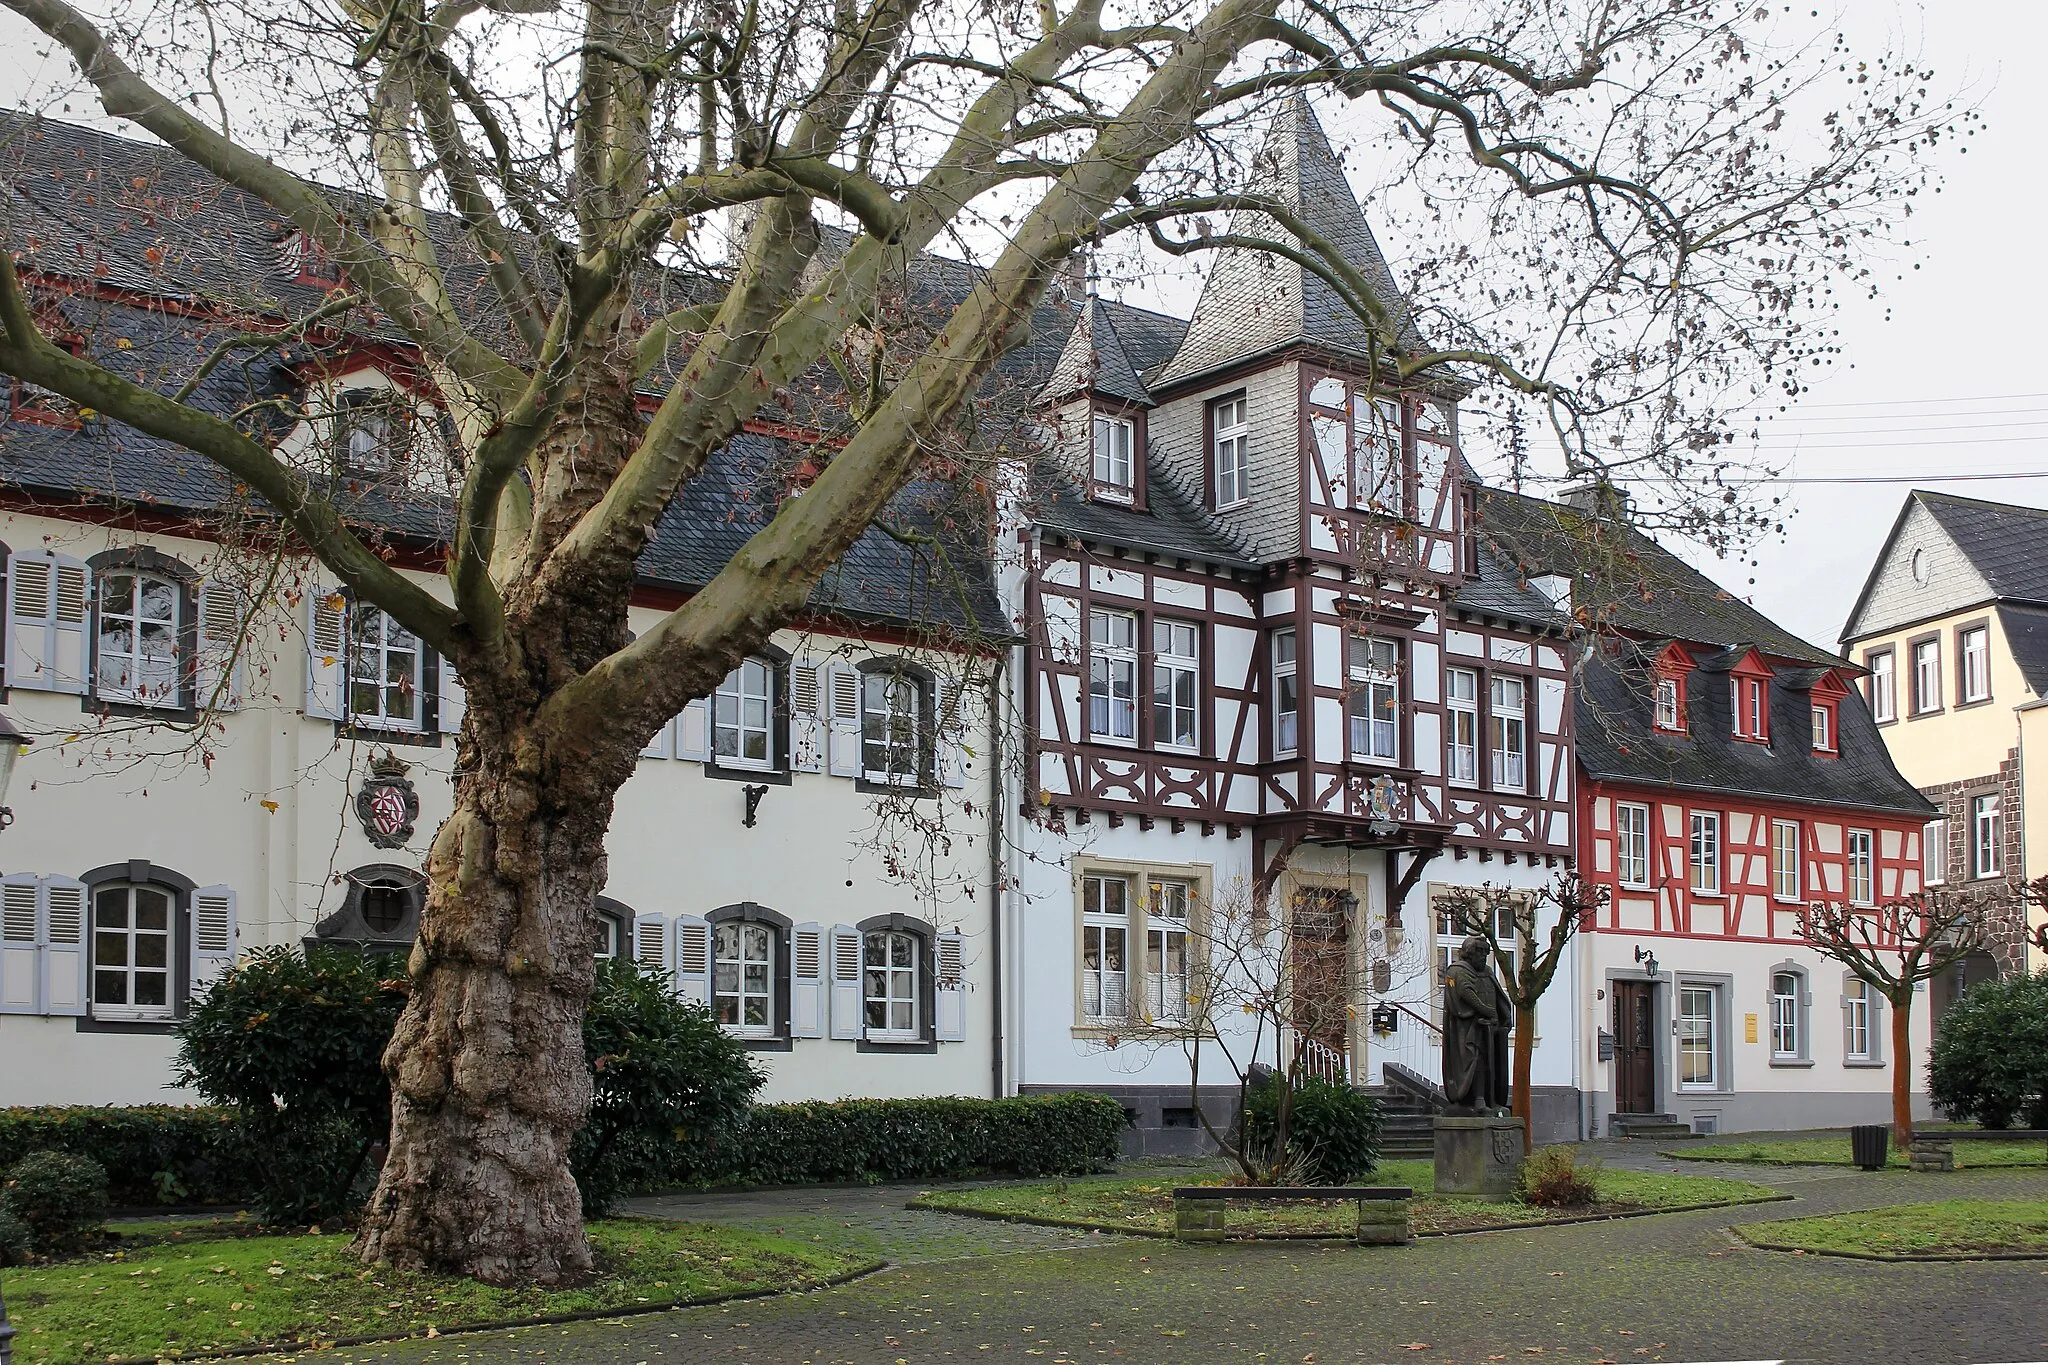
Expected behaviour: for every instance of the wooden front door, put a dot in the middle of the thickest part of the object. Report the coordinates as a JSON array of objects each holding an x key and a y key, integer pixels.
[
  {"x": 1635, "y": 1056},
  {"x": 1319, "y": 964}
]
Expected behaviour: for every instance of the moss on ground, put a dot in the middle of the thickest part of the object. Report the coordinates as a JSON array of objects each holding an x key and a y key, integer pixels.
[
  {"x": 1144, "y": 1204},
  {"x": 197, "y": 1296},
  {"x": 1952, "y": 1227},
  {"x": 1834, "y": 1151}
]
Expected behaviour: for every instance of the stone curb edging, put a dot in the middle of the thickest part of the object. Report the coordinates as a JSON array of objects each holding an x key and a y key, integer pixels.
[
  {"x": 1905, "y": 1258},
  {"x": 1048, "y": 1221},
  {"x": 553, "y": 1320},
  {"x": 1839, "y": 1165}
]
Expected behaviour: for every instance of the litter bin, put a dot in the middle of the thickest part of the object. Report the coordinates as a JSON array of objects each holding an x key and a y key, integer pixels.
[{"x": 1870, "y": 1143}]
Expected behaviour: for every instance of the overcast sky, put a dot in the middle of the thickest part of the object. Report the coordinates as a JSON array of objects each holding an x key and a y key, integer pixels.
[{"x": 1940, "y": 377}]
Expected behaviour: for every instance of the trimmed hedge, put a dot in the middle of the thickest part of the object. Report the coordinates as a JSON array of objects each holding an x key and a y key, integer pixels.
[{"x": 155, "y": 1154}]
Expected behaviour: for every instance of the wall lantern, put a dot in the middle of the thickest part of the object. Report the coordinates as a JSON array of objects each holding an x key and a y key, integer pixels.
[{"x": 1648, "y": 957}]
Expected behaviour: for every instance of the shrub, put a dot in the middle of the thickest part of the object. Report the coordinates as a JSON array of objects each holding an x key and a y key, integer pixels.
[
  {"x": 294, "y": 1042},
  {"x": 60, "y": 1198},
  {"x": 1990, "y": 1056},
  {"x": 154, "y": 1153},
  {"x": 14, "y": 1238},
  {"x": 1552, "y": 1178},
  {"x": 1333, "y": 1131},
  {"x": 661, "y": 1072}
]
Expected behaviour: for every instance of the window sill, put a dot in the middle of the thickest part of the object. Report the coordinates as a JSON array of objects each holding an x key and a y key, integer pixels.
[
  {"x": 1864, "y": 1063},
  {"x": 903, "y": 1045},
  {"x": 1112, "y": 741},
  {"x": 1233, "y": 506},
  {"x": 157, "y": 1025},
  {"x": 387, "y": 734},
  {"x": 1791, "y": 1063},
  {"x": 1705, "y": 1092},
  {"x": 764, "y": 1043},
  {"x": 1121, "y": 497},
  {"x": 1923, "y": 715},
  {"x": 1971, "y": 703},
  {"x": 779, "y": 777},
  {"x": 895, "y": 786},
  {"x": 1635, "y": 886}
]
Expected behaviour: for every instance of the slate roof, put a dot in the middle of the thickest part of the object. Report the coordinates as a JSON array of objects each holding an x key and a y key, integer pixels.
[
  {"x": 1500, "y": 590},
  {"x": 1094, "y": 361},
  {"x": 2007, "y": 544},
  {"x": 1253, "y": 303},
  {"x": 1173, "y": 521},
  {"x": 2026, "y": 634}
]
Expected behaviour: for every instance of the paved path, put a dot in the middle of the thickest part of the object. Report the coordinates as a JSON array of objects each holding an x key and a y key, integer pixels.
[{"x": 1669, "y": 1288}]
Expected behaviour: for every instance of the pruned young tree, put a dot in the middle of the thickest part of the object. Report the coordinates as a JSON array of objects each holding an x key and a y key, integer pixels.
[
  {"x": 1893, "y": 948},
  {"x": 1660, "y": 193},
  {"x": 1526, "y": 956}
]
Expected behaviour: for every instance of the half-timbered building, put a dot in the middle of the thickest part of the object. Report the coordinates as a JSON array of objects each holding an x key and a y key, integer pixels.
[
  {"x": 1730, "y": 773},
  {"x": 1271, "y": 668}
]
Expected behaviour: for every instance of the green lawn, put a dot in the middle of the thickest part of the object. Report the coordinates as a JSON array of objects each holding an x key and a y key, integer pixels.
[
  {"x": 1953, "y": 1227},
  {"x": 1144, "y": 1204},
  {"x": 188, "y": 1295},
  {"x": 1834, "y": 1151}
]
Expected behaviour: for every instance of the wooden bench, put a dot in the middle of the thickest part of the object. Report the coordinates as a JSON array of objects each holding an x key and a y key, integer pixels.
[
  {"x": 1199, "y": 1210},
  {"x": 1934, "y": 1149}
]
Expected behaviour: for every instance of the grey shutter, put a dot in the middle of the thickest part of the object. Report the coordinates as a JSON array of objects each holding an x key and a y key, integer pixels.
[
  {"x": 807, "y": 981},
  {"x": 49, "y": 602},
  {"x": 950, "y": 755},
  {"x": 663, "y": 743},
  {"x": 842, "y": 700},
  {"x": 21, "y": 944},
  {"x": 693, "y": 959},
  {"x": 693, "y": 732},
  {"x": 1879, "y": 1025},
  {"x": 65, "y": 961},
  {"x": 949, "y": 989},
  {"x": 846, "y": 994},
  {"x": 214, "y": 931},
  {"x": 220, "y": 672},
  {"x": 652, "y": 946},
  {"x": 806, "y": 722},
  {"x": 326, "y": 654},
  {"x": 454, "y": 700}
]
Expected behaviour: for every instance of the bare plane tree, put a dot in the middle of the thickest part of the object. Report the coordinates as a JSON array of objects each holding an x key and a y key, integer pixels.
[{"x": 537, "y": 188}]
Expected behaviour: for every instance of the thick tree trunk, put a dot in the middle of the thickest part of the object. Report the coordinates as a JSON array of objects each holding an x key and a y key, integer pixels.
[
  {"x": 1902, "y": 1070},
  {"x": 489, "y": 1083},
  {"x": 1520, "y": 1102}
]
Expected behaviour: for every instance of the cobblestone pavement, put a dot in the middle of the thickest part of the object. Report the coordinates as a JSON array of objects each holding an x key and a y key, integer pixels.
[{"x": 1670, "y": 1288}]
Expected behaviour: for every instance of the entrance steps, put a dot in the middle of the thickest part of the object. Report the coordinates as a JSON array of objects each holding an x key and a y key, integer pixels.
[
  {"x": 1660, "y": 1127},
  {"x": 1407, "y": 1123}
]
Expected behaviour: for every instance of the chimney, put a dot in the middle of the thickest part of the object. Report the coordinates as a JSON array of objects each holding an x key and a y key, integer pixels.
[{"x": 1597, "y": 498}]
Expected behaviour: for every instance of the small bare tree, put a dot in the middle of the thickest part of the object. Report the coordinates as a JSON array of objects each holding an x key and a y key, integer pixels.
[
  {"x": 1893, "y": 948},
  {"x": 1509, "y": 918}
]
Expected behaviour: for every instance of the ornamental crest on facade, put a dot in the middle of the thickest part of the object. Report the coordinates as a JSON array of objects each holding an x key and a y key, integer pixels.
[{"x": 386, "y": 803}]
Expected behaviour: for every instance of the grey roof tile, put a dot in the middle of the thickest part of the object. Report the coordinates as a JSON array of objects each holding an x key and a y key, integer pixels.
[
  {"x": 2007, "y": 544},
  {"x": 1094, "y": 361},
  {"x": 2026, "y": 634}
]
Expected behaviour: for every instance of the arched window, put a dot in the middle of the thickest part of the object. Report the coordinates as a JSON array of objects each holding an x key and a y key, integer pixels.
[
  {"x": 138, "y": 954},
  {"x": 1791, "y": 1001},
  {"x": 750, "y": 965},
  {"x": 614, "y": 928},
  {"x": 143, "y": 630}
]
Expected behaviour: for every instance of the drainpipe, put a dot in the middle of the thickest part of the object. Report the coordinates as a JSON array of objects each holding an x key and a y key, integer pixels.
[{"x": 995, "y": 873}]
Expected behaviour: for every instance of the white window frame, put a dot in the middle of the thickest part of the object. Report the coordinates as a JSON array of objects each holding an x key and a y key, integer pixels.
[
  {"x": 1176, "y": 684},
  {"x": 1974, "y": 644},
  {"x": 1666, "y": 701},
  {"x": 1383, "y": 462},
  {"x": 392, "y": 639},
  {"x": 1112, "y": 676},
  {"x": 130, "y": 938},
  {"x": 894, "y": 977},
  {"x": 1857, "y": 1043},
  {"x": 1373, "y": 665},
  {"x": 891, "y": 708},
  {"x": 1927, "y": 677},
  {"x": 1884, "y": 685},
  {"x": 1507, "y": 714},
  {"x": 359, "y": 407},
  {"x": 1695, "y": 1028},
  {"x": 1934, "y": 853},
  {"x": 738, "y": 962},
  {"x": 1757, "y": 709},
  {"x": 1286, "y": 693},
  {"x": 1987, "y": 836},
  {"x": 1823, "y": 728},
  {"x": 1859, "y": 852},
  {"x": 1113, "y": 446},
  {"x": 143, "y": 668},
  {"x": 1788, "y": 1027},
  {"x": 1632, "y": 845},
  {"x": 1169, "y": 903},
  {"x": 752, "y": 681},
  {"x": 1703, "y": 852},
  {"x": 1230, "y": 450},
  {"x": 1461, "y": 702},
  {"x": 1787, "y": 879},
  {"x": 1448, "y": 935},
  {"x": 1100, "y": 929}
]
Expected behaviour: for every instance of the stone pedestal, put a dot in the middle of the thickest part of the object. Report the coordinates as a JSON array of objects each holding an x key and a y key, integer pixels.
[
  {"x": 1477, "y": 1157},
  {"x": 1932, "y": 1154}
]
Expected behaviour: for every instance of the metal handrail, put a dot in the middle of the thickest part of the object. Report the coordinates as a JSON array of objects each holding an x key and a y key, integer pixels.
[
  {"x": 1322, "y": 1061},
  {"x": 1429, "y": 1024}
]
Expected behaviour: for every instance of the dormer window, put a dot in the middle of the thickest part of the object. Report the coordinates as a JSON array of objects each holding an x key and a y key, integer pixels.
[
  {"x": 1748, "y": 707},
  {"x": 1115, "y": 457},
  {"x": 1823, "y": 728},
  {"x": 1670, "y": 715},
  {"x": 370, "y": 436},
  {"x": 1825, "y": 701},
  {"x": 1230, "y": 441},
  {"x": 304, "y": 261}
]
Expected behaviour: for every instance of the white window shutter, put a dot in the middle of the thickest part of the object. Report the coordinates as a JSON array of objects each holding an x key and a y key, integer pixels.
[
  {"x": 842, "y": 701},
  {"x": 454, "y": 700},
  {"x": 663, "y": 745},
  {"x": 65, "y": 960},
  {"x": 326, "y": 654},
  {"x": 214, "y": 932},
  {"x": 49, "y": 601},
  {"x": 807, "y": 981},
  {"x": 21, "y": 944},
  {"x": 949, "y": 989},
  {"x": 950, "y": 757},
  {"x": 806, "y": 722},
  {"x": 221, "y": 672},
  {"x": 693, "y": 959},
  {"x": 693, "y": 732},
  {"x": 652, "y": 945},
  {"x": 1880, "y": 1027},
  {"x": 846, "y": 994}
]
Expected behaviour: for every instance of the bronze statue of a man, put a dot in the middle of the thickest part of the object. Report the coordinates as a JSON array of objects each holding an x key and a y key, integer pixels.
[{"x": 1477, "y": 1016}]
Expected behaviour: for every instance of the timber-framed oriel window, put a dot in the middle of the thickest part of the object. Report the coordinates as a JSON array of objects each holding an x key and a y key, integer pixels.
[
  {"x": 1286, "y": 694},
  {"x": 1113, "y": 675},
  {"x": 1176, "y": 685},
  {"x": 1461, "y": 723},
  {"x": 1508, "y": 731},
  {"x": 1374, "y": 698}
]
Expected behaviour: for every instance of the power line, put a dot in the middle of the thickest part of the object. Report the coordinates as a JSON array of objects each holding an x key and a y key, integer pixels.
[{"x": 1868, "y": 478}]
